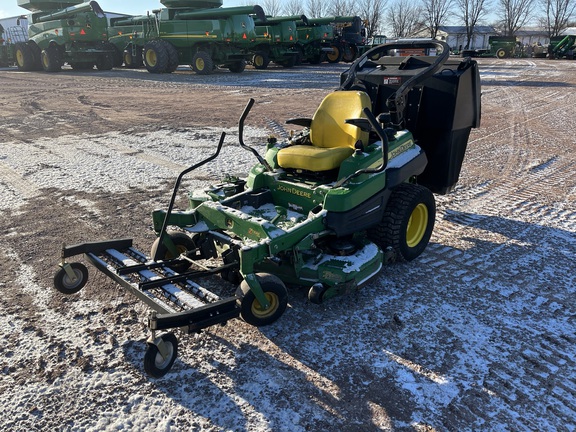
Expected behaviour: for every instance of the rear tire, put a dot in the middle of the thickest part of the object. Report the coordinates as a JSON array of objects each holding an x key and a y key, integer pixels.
[
  {"x": 335, "y": 56},
  {"x": 260, "y": 60},
  {"x": 183, "y": 244},
  {"x": 202, "y": 63},
  {"x": 408, "y": 221},
  {"x": 237, "y": 67}
]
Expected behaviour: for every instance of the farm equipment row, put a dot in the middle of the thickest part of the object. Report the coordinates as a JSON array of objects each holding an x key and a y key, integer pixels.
[
  {"x": 199, "y": 33},
  {"x": 326, "y": 209}
]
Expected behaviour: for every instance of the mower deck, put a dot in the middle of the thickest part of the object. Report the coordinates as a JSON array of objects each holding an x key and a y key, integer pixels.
[{"x": 178, "y": 300}]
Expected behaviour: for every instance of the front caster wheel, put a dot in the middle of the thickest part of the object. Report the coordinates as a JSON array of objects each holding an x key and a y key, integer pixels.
[
  {"x": 252, "y": 311},
  {"x": 160, "y": 355},
  {"x": 316, "y": 293},
  {"x": 73, "y": 280}
]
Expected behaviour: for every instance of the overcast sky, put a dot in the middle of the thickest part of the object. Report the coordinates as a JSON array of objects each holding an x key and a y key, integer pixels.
[{"x": 9, "y": 8}]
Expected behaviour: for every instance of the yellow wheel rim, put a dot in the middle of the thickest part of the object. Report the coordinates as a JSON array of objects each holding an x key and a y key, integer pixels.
[
  {"x": 417, "y": 225},
  {"x": 334, "y": 54},
  {"x": 45, "y": 61},
  {"x": 200, "y": 64},
  {"x": 19, "y": 58},
  {"x": 259, "y": 60},
  {"x": 151, "y": 58},
  {"x": 259, "y": 312}
]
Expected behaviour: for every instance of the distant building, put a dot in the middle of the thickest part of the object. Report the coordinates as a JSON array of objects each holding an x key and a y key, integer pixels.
[
  {"x": 455, "y": 36},
  {"x": 528, "y": 36}
]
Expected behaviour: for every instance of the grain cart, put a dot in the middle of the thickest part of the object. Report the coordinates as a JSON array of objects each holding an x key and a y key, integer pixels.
[
  {"x": 192, "y": 32},
  {"x": 76, "y": 35},
  {"x": 314, "y": 41},
  {"x": 276, "y": 40},
  {"x": 498, "y": 46},
  {"x": 325, "y": 210}
]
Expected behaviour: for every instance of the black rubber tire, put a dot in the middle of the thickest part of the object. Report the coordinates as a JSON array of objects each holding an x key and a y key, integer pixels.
[
  {"x": 117, "y": 55},
  {"x": 105, "y": 62},
  {"x": 37, "y": 53},
  {"x": 82, "y": 66},
  {"x": 316, "y": 293},
  {"x": 154, "y": 364},
  {"x": 51, "y": 59},
  {"x": 202, "y": 63},
  {"x": 133, "y": 61},
  {"x": 260, "y": 60},
  {"x": 335, "y": 56},
  {"x": 277, "y": 295},
  {"x": 63, "y": 283},
  {"x": 237, "y": 67},
  {"x": 24, "y": 57},
  {"x": 408, "y": 221},
  {"x": 155, "y": 57},
  {"x": 173, "y": 59},
  {"x": 183, "y": 243},
  {"x": 349, "y": 54}
]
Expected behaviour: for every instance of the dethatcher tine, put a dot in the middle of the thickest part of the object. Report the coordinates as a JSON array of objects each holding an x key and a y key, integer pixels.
[{"x": 326, "y": 209}]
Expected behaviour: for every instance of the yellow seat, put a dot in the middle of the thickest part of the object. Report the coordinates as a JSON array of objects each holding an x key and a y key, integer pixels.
[{"x": 332, "y": 139}]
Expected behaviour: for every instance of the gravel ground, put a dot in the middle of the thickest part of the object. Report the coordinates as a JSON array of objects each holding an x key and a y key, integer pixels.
[{"x": 478, "y": 333}]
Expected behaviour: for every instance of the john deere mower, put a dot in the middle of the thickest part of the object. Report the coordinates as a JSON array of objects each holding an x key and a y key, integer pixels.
[{"x": 325, "y": 209}]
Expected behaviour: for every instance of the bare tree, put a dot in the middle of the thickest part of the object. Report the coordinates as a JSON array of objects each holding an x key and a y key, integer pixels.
[
  {"x": 316, "y": 8},
  {"x": 558, "y": 15},
  {"x": 435, "y": 14},
  {"x": 293, "y": 7},
  {"x": 471, "y": 12},
  {"x": 342, "y": 8},
  {"x": 271, "y": 7},
  {"x": 516, "y": 14},
  {"x": 372, "y": 11},
  {"x": 403, "y": 18}
]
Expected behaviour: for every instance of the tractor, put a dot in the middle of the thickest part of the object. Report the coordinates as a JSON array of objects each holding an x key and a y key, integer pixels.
[{"x": 349, "y": 192}]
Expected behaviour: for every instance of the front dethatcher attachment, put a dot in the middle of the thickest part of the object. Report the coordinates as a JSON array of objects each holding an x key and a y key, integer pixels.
[{"x": 325, "y": 210}]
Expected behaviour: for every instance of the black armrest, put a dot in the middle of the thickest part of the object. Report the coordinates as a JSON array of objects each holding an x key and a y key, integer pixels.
[
  {"x": 305, "y": 122},
  {"x": 361, "y": 123}
]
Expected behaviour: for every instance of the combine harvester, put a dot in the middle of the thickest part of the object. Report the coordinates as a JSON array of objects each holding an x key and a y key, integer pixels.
[
  {"x": 77, "y": 35},
  {"x": 326, "y": 209},
  {"x": 276, "y": 40},
  {"x": 199, "y": 33}
]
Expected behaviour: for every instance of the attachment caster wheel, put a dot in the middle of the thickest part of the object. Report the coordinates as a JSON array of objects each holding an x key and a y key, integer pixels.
[
  {"x": 71, "y": 278},
  {"x": 160, "y": 355},
  {"x": 316, "y": 293}
]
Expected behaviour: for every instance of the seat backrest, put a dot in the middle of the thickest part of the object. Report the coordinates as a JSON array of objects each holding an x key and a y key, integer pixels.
[{"x": 328, "y": 128}]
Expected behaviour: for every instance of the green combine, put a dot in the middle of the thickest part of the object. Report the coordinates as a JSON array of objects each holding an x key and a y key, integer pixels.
[
  {"x": 315, "y": 42},
  {"x": 67, "y": 31},
  {"x": 197, "y": 33},
  {"x": 326, "y": 209},
  {"x": 276, "y": 39}
]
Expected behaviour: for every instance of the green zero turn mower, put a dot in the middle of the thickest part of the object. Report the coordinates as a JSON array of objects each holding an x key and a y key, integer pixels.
[{"x": 325, "y": 209}]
